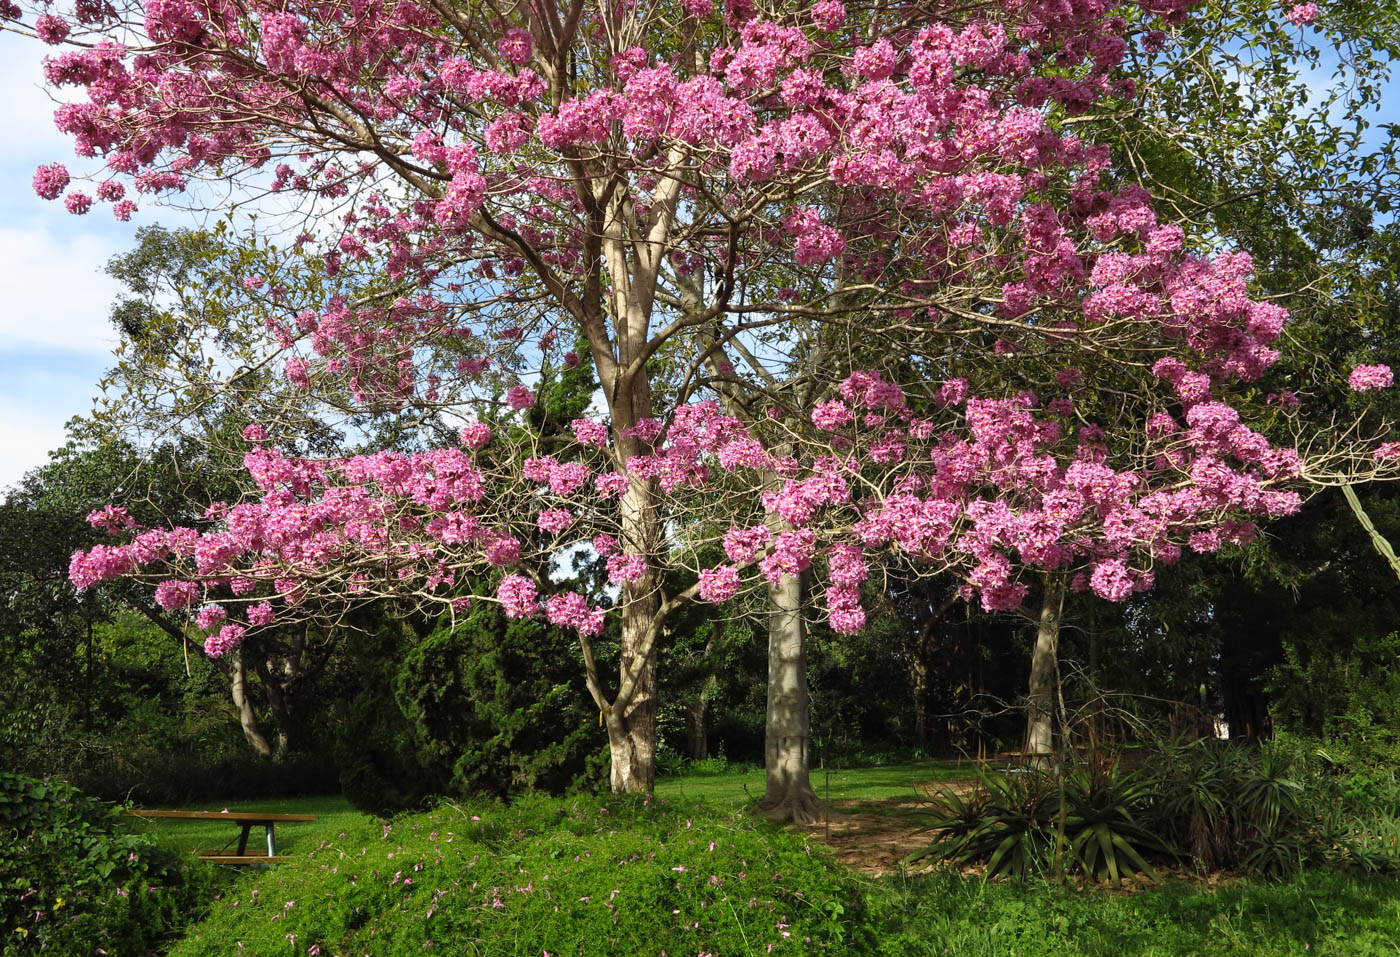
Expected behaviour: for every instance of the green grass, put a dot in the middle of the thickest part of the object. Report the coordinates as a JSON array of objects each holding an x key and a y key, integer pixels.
[
  {"x": 584, "y": 875},
  {"x": 870, "y": 787},
  {"x": 1317, "y": 913},
  {"x": 333, "y": 814}
]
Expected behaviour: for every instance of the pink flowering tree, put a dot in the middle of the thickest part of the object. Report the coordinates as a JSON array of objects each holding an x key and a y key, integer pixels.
[{"x": 688, "y": 190}]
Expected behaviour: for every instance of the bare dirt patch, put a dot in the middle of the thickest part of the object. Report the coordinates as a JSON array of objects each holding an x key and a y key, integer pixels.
[{"x": 873, "y": 837}]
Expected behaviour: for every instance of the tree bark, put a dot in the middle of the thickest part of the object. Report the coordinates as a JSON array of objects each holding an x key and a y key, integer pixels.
[
  {"x": 788, "y": 793},
  {"x": 918, "y": 680},
  {"x": 247, "y": 717},
  {"x": 1040, "y": 704},
  {"x": 697, "y": 735},
  {"x": 632, "y": 723}
]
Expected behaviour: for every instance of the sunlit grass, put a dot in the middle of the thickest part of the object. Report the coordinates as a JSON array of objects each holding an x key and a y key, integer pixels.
[{"x": 869, "y": 788}]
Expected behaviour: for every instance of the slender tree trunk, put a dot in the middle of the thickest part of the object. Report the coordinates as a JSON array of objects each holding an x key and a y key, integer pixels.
[
  {"x": 1040, "y": 705},
  {"x": 787, "y": 733},
  {"x": 282, "y": 719},
  {"x": 697, "y": 735},
  {"x": 247, "y": 717},
  {"x": 918, "y": 679},
  {"x": 632, "y": 724}
]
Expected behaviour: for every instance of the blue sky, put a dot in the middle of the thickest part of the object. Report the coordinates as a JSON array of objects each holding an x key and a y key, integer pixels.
[{"x": 55, "y": 341}]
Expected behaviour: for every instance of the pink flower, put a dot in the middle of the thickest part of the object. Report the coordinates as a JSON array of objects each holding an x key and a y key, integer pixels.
[
  {"x": 475, "y": 435},
  {"x": 51, "y": 29},
  {"x": 1111, "y": 580},
  {"x": 516, "y": 594},
  {"x": 828, "y": 14},
  {"x": 1302, "y": 14},
  {"x": 520, "y": 397},
  {"x": 260, "y": 614},
  {"x": 554, "y": 520},
  {"x": 743, "y": 545},
  {"x": 51, "y": 180},
  {"x": 719, "y": 584},
  {"x": 210, "y": 615},
  {"x": 77, "y": 203},
  {"x": 1365, "y": 378},
  {"x": 590, "y": 432},
  {"x": 830, "y": 416},
  {"x": 173, "y": 594},
  {"x": 297, "y": 373},
  {"x": 571, "y": 610},
  {"x": 626, "y": 568},
  {"x": 228, "y": 638}
]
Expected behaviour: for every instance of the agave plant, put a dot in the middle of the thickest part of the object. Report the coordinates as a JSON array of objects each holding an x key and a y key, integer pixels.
[
  {"x": 1007, "y": 822},
  {"x": 1011, "y": 824},
  {"x": 1103, "y": 825}
]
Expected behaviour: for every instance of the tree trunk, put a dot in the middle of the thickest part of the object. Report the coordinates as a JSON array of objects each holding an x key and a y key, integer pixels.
[
  {"x": 282, "y": 720},
  {"x": 918, "y": 679},
  {"x": 787, "y": 732},
  {"x": 247, "y": 717},
  {"x": 632, "y": 723},
  {"x": 1040, "y": 703},
  {"x": 697, "y": 736}
]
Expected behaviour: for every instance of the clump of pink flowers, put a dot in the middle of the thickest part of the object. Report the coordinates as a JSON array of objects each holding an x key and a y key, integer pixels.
[
  {"x": 1364, "y": 378},
  {"x": 1302, "y": 14}
]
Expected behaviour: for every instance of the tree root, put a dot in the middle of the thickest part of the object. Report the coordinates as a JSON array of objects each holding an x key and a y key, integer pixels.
[{"x": 798, "y": 804}]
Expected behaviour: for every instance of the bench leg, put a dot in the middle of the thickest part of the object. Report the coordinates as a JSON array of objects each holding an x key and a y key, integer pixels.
[
  {"x": 271, "y": 843},
  {"x": 243, "y": 840}
]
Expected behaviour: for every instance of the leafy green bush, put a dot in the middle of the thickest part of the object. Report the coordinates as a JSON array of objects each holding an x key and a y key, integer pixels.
[
  {"x": 568, "y": 877},
  {"x": 71, "y": 880}
]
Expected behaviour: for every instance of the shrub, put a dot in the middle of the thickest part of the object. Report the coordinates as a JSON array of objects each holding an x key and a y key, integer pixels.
[
  {"x": 568, "y": 877},
  {"x": 71, "y": 880}
]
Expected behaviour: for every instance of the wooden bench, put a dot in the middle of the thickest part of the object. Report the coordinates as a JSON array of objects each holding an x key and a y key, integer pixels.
[{"x": 247, "y": 820}]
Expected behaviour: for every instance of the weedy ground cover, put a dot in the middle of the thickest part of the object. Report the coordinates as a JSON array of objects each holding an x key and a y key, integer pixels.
[
  {"x": 593, "y": 875},
  {"x": 581, "y": 876}
]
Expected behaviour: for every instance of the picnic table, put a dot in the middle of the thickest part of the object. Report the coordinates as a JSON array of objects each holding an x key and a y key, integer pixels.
[{"x": 247, "y": 820}]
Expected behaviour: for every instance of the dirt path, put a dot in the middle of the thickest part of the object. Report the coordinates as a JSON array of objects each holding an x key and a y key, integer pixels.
[{"x": 874, "y": 836}]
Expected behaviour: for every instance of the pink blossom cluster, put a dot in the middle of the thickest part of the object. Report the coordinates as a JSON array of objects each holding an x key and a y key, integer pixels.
[
  {"x": 720, "y": 584},
  {"x": 887, "y": 150},
  {"x": 569, "y": 609},
  {"x": 1302, "y": 14},
  {"x": 517, "y": 595},
  {"x": 1364, "y": 378},
  {"x": 625, "y": 568},
  {"x": 225, "y": 640}
]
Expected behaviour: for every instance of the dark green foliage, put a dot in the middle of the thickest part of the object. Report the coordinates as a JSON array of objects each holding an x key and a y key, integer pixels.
[
  {"x": 71, "y": 880},
  {"x": 577, "y": 877},
  {"x": 499, "y": 704},
  {"x": 492, "y": 706},
  {"x": 1233, "y": 807}
]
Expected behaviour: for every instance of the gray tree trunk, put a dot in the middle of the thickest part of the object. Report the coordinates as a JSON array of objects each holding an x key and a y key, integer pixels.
[
  {"x": 1040, "y": 702},
  {"x": 788, "y": 793}
]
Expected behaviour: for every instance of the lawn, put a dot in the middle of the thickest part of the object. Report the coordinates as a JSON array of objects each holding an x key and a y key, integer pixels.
[
  {"x": 938, "y": 913},
  {"x": 864, "y": 789}
]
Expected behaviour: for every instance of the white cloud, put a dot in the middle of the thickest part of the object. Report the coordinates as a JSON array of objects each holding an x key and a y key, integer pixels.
[
  {"x": 55, "y": 293},
  {"x": 27, "y": 434}
]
